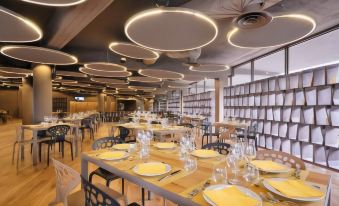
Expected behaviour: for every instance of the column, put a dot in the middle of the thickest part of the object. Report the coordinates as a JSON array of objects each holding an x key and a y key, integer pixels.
[
  {"x": 20, "y": 102},
  {"x": 27, "y": 100},
  {"x": 108, "y": 104},
  {"x": 219, "y": 96},
  {"x": 101, "y": 102},
  {"x": 42, "y": 92}
]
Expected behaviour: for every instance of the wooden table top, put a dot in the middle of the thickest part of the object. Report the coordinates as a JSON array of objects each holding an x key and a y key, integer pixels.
[
  {"x": 154, "y": 128},
  {"x": 177, "y": 187},
  {"x": 44, "y": 126}
]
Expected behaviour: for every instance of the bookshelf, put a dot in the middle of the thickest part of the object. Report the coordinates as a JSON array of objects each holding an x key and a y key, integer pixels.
[
  {"x": 201, "y": 104},
  {"x": 296, "y": 113},
  {"x": 60, "y": 104},
  {"x": 174, "y": 101}
]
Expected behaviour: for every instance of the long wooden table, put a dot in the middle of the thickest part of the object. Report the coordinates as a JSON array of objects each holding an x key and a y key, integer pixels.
[{"x": 177, "y": 187}]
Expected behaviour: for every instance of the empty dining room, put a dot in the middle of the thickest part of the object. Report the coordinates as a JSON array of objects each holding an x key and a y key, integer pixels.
[{"x": 169, "y": 103}]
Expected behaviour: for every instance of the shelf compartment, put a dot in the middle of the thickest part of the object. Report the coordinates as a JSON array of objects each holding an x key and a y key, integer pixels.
[
  {"x": 286, "y": 146},
  {"x": 264, "y": 86},
  {"x": 307, "y": 151},
  {"x": 287, "y": 114},
  {"x": 322, "y": 116},
  {"x": 276, "y": 143},
  {"x": 246, "y": 89},
  {"x": 319, "y": 77},
  {"x": 308, "y": 113},
  {"x": 307, "y": 79},
  {"x": 311, "y": 96},
  {"x": 275, "y": 129},
  {"x": 283, "y": 130},
  {"x": 304, "y": 133},
  {"x": 269, "y": 142},
  {"x": 294, "y": 81},
  {"x": 299, "y": 97},
  {"x": 320, "y": 155},
  {"x": 279, "y": 99},
  {"x": 277, "y": 114},
  {"x": 251, "y": 100},
  {"x": 292, "y": 131},
  {"x": 317, "y": 135},
  {"x": 272, "y": 85},
  {"x": 260, "y": 126},
  {"x": 264, "y": 100},
  {"x": 324, "y": 95},
  {"x": 333, "y": 159},
  {"x": 262, "y": 141},
  {"x": 332, "y": 137},
  {"x": 334, "y": 115},
  {"x": 254, "y": 114},
  {"x": 296, "y": 149},
  {"x": 296, "y": 115},
  {"x": 271, "y": 99},
  {"x": 258, "y": 87},
  {"x": 332, "y": 74},
  {"x": 289, "y": 98},
  {"x": 257, "y": 99},
  {"x": 267, "y": 127},
  {"x": 269, "y": 113},
  {"x": 282, "y": 83}
]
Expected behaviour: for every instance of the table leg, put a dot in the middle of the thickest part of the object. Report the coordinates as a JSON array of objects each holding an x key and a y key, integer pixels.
[
  {"x": 76, "y": 142},
  {"x": 35, "y": 147},
  {"x": 84, "y": 168},
  {"x": 22, "y": 148}
]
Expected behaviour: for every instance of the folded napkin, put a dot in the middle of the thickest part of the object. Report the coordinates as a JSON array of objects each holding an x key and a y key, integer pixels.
[
  {"x": 295, "y": 188},
  {"x": 230, "y": 196},
  {"x": 112, "y": 155},
  {"x": 204, "y": 153},
  {"x": 151, "y": 168},
  {"x": 122, "y": 146},
  {"x": 165, "y": 145},
  {"x": 267, "y": 165}
]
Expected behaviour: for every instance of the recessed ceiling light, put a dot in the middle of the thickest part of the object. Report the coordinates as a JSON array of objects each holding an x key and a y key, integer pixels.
[
  {"x": 209, "y": 68},
  {"x": 105, "y": 67},
  {"x": 56, "y": 3},
  {"x": 171, "y": 29},
  {"x": 16, "y": 28},
  {"x": 104, "y": 73},
  {"x": 282, "y": 30},
  {"x": 108, "y": 81},
  {"x": 133, "y": 51},
  {"x": 161, "y": 74},
  {"x": 38, "y": 55},
  {"x": 143, "y": 79}
]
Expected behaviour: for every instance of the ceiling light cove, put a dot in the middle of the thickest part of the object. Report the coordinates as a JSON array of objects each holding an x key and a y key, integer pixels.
[
  {"x": 108, "y": 81},
  {"x": 93, "y": 72},
  {"x": 171, "y": 29},
  {"x": 16, "y": 28},
  {"x": 209, "y": 68},
  {"x": 143, "y": 79},
  {"x": 38, "y": 55},
  {"x": 105, "y": 66},
  {"x": 161, "y": 74},
  {"x": 133, "y": 51},
  {"x": 55, "y": 3},
  {"x": 11, "y": 70},
  {"x": 142, "y": 88},
  {"x": 281, "y": 30}
]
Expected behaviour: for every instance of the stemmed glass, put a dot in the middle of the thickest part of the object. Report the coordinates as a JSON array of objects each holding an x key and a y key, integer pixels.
[
  {"x": 219, "y": 175},
  {"x": 251, "y": 174},
  {"x": 250, "y": 150}
]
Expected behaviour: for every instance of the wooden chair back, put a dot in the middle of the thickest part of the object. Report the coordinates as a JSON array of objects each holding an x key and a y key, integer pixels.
[{"x": 281, "y": 157}]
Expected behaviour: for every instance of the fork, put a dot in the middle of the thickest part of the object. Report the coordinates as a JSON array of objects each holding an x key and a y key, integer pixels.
[{"x": 199, "y": 189}]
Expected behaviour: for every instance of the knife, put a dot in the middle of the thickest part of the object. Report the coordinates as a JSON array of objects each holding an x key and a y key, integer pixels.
[{"x": 169, "y": 175}]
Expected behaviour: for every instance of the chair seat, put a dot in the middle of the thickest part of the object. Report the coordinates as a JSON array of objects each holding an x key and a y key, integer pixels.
[{"x": 105, "y": 174}]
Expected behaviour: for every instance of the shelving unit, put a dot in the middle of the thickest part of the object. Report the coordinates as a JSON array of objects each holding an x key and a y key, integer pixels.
[
  {"x": 174, "y": 102},
  {"x": 297, "y": 113},
  {"x": 201, "y": 104},
  {"x": 59, "y": 104}
]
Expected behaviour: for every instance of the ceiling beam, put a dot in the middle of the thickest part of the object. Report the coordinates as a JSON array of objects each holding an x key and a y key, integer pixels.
[{"x": 67, "y": 23}]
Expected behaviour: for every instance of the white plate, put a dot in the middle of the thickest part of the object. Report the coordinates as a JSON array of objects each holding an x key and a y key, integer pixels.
[
  {"x": 216, "y": 154},
  {"x": 246, "y": 191},
  {"x": 158, "y": 146},
  {"x": 273, "y": 190},
  {"x": 116, "y": 147},
  {"x": 168, "y": 169},
  {"x": 107, "y": 158}
]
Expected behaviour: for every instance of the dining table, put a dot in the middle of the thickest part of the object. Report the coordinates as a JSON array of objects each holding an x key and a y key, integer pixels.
[
  {"x": 178, "y": 188},
  {"x": 43, "y": 127}
]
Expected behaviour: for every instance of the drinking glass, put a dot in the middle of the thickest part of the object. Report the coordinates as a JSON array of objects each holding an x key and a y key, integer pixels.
[
  {"x": 219, "y": 175},
  {"x": 251, "y": 174},
  {"x": 190, "y": 163},
  {"x": 233, "y": 163},
  {"x": 250, "y": 151}
]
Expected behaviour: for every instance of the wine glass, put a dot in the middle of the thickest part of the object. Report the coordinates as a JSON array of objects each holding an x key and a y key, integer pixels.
[
  {"x": 250, "y": 151},
  {"x": 251, "y": 174},
  {"x": 219, "y": 175},
  {"x": 233, "y": 162}
]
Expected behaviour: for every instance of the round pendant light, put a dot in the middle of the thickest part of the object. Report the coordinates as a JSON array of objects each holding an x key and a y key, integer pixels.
[
  {"x": 133, "y": 51},
  {"x": 280, "y": 31},
  {"x": 38, "y": 55},
  {"x": 178, "y": 86},
  {"x": 76, "y": 84},
  {"x": 15, "y": 28},
  {"x": 209, "y": 68},
  {"x": 171, "y": 29},
  {"x": 70, "y": 74},
  {"x": 193, "y": 78},
  {"x": 11, "y": 70},
  {"x": 108, "y": 81},
  {"x": 65, "y": 81},
  {"x": 160, "y": 74},
  {"x": 105, "y": 66},
  {"x": 6, "y": 75},
  {"x": 55, "y": 3},
  {"x": 142, "y": 88},
  {"x": 117, "y": 86},
  {"x": 143, "y": 79},
  {"x": 104, "y": 73}
]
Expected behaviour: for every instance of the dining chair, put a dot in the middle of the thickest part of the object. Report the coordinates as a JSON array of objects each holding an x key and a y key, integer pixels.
[
  {"x": 104, "y": 143},
  {"x": 67, "y": 179},
  {"x": 222, "y": 148},
  {"x": 58, "y": 135},
  {"x": 87, "y": 124},
  {"x": 226, "y": 133},
  {"x": 99, "y": 195},
  {"x": 281, "y": 157},
  {"x": 207, "y": 128}
]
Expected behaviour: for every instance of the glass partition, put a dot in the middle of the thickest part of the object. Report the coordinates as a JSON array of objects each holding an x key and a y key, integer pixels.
[
  {"x": 242, "y": 74},
  {"x": 271, "y": 65}
]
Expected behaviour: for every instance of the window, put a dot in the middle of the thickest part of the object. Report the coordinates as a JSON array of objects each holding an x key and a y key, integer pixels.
[
  {"x": 271, "y": 65},
  {"x": 201, "y": 86},
  {"x": 242, "y": 74},
  {"x": 209, "y": 85},
  {"x": 317, "y": 52}
]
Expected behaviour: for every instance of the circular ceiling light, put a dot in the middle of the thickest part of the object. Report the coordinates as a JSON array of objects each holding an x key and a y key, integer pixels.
[
  {"x": 16, "y": 28},
  {"x": 12, "y": 70},
  {"x": 280, "y": 31},
  {"x": 117, "y": 86},
  {"x": 65, "y": 81},
  {"x": 142, "y": 88},
  {"x": 76, "y": 84},
  {"x": 108, "y": 81},
  {"x": 105, "y": 67},
  {"x": 209, "y": 68},
  {"x": 56, "y": 3},
  {"x": 38, "y": 55},
  {"x": 160, "y": 74},
  {"x": 71, "y": 74},
  {"x": 104, "y": 73},
  {"x": 171, "y": 29},
  {"x": 193, "y": 78},
  {"x": 178, "y": 86},
  {"x": 133, "y": 51},
  {"x": 6, "y": 75},
  {"x": 143, "y": 79}
]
